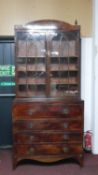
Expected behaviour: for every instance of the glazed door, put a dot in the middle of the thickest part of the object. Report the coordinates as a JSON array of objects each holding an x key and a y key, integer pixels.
[
  {"x": 64, "y": 64},
  {"x": 47, "y": 63},
  {"x": 31, "y": 64}
]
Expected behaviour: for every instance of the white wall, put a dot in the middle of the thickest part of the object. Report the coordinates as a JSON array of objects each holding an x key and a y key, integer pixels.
[
  {"x": 14, "y": 12},
  {"x": 95, "y": 76},
  {"x": 86, "y": 81}
]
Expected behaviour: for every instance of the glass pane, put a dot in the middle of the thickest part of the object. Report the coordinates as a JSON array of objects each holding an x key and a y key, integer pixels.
[
  {"x": 31, "y": 64},
  {"x": 63, "y": 64}
]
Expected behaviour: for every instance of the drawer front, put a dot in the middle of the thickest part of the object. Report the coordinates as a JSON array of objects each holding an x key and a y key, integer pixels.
[
  {"x": 42, "y": 110},
  {"x": 48, "y": 124},
  {"x": 42, "y": 137},
  {"x": 48, "y": 149}
]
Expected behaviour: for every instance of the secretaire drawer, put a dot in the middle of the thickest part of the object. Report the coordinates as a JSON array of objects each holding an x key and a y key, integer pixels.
[
  {"x": 46, "y": 110},
  {"x": 48, "y": 124}
]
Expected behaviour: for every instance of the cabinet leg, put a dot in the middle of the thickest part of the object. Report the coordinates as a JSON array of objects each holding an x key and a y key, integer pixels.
[
  {"x": 80, "y": 159},
  {"x": 14, "y": 166},
  {"x": 14, "y": 163}
]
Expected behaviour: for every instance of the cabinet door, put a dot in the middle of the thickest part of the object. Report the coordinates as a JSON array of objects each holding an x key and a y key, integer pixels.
[
  {"x": 47, "y": 63},
  {"x": 31, "y": 63},
  {"x": 64, "y": 63}
]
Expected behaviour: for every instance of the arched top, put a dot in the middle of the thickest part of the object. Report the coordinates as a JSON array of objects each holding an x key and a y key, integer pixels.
[
  {"x": 52, "y": 24},
  {"x": 49, "y": 24}
]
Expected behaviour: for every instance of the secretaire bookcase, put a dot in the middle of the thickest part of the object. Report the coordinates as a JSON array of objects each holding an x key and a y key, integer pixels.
[{"x": 47, "y": 112}]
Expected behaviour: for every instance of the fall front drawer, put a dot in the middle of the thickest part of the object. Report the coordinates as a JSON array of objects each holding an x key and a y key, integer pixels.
[
  {"x": 46, "y": 136},
  {"x": 34, "y": 110},
  {"x": 47, "y": 149},
  {"x": 48, "y": 124}
]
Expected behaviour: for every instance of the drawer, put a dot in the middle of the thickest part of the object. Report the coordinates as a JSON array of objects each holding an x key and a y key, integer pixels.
[
  {"x": 47, "y": 149},
  {"x": 48, "y": 110},
  {"x": 48, "y": 124},
  {"x": 42, "y": 137}
]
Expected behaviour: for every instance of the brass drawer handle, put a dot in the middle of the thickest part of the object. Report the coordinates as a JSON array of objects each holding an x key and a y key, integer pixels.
[
  {"x": 65, "y": 111},
  {"x": 31, "y": 138},
  {"x": 65, "y": 149},
  {"x": 65, "y": 125},
  {"x": 31, "y": 150},
  {"x": 30, "y": 125},
  {"x": 66, "y": 136},
  {"x": 30, "y": 111}
]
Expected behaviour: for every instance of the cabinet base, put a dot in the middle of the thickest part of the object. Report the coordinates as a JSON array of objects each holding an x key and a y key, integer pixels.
[{"x": 49, "y": 159}]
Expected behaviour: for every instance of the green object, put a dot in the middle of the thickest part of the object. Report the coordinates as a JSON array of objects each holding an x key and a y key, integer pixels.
[
  {"x": 5, "y": 83},
  {"x": 7, "y": 70}
]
